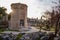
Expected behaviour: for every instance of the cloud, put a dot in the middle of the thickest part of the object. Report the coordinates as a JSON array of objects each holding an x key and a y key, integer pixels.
[{"x": 35, "y": 7}]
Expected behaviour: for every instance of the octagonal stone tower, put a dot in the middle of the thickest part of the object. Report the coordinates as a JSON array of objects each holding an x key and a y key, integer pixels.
[{"x": 18, "y": 16}]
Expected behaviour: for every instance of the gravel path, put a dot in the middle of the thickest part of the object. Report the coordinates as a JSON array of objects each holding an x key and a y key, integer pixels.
[{"x": 31, "y": 30}]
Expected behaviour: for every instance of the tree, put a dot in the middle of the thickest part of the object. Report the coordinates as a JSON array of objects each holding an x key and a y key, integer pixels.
[
  {"x": 54, "y": 16},
  {"x": 3, "y": 14},
  {"x": 57, "y": 16},
  {"x": 47, "y": 16}
]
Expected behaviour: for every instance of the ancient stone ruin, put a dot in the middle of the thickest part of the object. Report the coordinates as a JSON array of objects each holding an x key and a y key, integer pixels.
[{"x": 18, "y": 16}]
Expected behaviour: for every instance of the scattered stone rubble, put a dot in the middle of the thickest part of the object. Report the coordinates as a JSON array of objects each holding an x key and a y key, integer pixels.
[{"x": 30, "y": 36}]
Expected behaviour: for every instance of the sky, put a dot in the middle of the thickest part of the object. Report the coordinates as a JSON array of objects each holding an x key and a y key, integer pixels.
[{"x": 36, "y": 8}]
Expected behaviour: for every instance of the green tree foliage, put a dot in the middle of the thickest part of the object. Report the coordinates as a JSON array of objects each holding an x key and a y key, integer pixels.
[
  {"x": 2, "y": 12},
  {"x": 47, "y": 16},
  {"x": 19, "y": 36},
  {"x": 3, "y": 17}
]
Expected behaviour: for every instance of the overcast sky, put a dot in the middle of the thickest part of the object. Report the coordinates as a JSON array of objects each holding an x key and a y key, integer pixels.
[{"x": 35, "y": 7}]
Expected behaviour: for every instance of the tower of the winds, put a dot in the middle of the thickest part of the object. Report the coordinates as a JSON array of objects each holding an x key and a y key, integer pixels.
[{"x": 18, "y": 16}]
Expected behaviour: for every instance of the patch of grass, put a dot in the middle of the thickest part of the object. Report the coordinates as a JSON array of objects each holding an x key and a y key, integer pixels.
[
  {"x": 1, "y": 30},
  {"x": 52, "y": 29},
  {"x": 19, "y": 36},
  {"x": 44, "y": 28}
]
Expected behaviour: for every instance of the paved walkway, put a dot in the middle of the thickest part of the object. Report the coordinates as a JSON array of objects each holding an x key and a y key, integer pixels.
[
  {"x": 25, "y": 30},
  {"x": 31, "y": 30}
]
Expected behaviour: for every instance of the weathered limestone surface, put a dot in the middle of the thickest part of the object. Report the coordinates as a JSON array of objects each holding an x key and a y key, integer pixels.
[{"x": 19, "y": 13}]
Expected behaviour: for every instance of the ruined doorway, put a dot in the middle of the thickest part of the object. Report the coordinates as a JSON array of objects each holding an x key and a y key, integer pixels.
[{"x": 21, "y": 22}]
